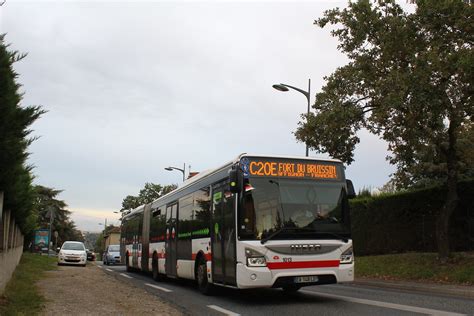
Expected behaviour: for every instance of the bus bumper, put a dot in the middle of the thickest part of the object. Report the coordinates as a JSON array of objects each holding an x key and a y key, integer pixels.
[{"x": 261, "y": 277}]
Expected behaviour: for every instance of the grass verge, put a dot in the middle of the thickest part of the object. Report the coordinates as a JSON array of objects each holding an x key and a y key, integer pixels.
[
  {"x": 418, "y": 267},
  {"x": 21, "y": 295}
]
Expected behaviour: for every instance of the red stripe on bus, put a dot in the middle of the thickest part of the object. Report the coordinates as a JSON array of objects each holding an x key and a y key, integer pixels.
[
  {"x": 303, "y": 264},
  {"x": 208, "y": 256}
]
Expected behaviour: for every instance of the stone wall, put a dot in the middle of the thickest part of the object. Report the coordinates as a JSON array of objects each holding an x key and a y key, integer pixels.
[{"x": 11, "y": 245}]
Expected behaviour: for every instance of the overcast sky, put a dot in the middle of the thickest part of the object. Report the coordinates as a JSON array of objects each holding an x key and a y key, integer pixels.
[{"x": 133, "y": 87}]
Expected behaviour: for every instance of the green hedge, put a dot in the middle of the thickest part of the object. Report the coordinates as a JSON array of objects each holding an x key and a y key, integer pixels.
[{"x": 401, "y": 222}]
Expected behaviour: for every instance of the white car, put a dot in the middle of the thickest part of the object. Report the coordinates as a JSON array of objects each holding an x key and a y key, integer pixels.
[{"x": 72, "y": 252}]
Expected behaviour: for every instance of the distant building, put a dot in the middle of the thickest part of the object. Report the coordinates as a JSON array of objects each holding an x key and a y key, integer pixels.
[{"x": 112, "y": 237}]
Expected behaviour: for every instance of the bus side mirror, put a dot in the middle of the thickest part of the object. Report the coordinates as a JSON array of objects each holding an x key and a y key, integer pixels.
[
  {"x": 350, "y": 189},
  {"x": 236, "y": 180}
]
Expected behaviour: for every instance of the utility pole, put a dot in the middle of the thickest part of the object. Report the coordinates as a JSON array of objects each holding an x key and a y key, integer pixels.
[{"x": 51, "y": 218}]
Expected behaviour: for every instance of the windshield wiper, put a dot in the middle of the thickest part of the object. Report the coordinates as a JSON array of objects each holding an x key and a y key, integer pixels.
[
  {"x": 310, "y": 230},
  {"x": 344, "y": 239},
  {"x": 283, "y": 229}
]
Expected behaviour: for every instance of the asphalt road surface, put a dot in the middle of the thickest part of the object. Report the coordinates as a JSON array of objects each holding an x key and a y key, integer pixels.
[{"x": 321, "y": 300}]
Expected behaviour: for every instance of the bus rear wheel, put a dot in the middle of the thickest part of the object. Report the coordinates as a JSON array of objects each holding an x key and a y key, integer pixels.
[
  {"x": 154, "y": 267},
  {"x": 201, "y": 277},
  {"x": 127, "y": 263}
]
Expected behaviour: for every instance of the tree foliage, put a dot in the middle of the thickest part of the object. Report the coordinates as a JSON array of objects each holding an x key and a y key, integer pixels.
[
  {"x": 148, "y": 194},
  {"x": 47, "y": 203},
  {"x": 15, "y": 175},
  {"x": 409, "y": 81}
]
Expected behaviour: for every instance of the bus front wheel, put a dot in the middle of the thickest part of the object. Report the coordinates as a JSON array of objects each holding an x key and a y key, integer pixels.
[
  {"x": 201, "y": 275},
  {"x": 291, "y": 288}
]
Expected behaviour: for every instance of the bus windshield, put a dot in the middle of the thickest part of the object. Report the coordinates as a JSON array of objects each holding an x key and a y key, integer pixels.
[{"x": 300, "y": 208}]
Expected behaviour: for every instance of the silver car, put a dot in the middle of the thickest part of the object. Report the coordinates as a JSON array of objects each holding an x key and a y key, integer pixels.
[
  {"x": 111, "y": 255},
  {"x": 72, "y": 252}
]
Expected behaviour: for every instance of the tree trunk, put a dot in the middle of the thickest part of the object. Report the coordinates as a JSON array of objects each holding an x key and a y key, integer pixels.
[{"x": 442, "y": 222}]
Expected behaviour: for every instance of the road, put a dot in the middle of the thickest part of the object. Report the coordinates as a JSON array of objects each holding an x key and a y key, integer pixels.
[{"x": 322, "y": 300}]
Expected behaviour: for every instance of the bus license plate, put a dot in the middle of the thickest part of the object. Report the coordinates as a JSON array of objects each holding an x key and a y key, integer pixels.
[{"x": 306, "y": 279}]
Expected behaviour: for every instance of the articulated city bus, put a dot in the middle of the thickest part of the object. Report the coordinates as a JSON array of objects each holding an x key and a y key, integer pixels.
[{"x": 258, "y": 221}]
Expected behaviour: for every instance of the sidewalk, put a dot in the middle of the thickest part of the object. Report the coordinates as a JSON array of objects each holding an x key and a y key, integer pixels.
[
  {"x": 465, "y": 291},
  {"x": 74, "y": 290}
]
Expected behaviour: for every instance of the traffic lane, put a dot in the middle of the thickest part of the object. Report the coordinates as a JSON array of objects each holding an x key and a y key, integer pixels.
[
  {"x": 410, "y": 298},
  {"x": 181, "y": 293},
  {"x": 250, "y": 302},
  {"x": 258, "y": 302},
  {"x": 277, "y": 302}
]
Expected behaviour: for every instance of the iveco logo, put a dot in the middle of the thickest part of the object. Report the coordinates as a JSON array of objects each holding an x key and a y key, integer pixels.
[{"x": 305, "y": 247}]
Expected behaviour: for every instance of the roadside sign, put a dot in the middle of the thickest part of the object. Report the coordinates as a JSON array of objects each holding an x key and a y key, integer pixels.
[{"x": 41, "y": 239}]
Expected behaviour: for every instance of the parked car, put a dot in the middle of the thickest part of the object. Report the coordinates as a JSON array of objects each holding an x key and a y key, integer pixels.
[
  {"x": 111, "y": 255},
  {"x": 72, "y": 252},
  {"x": 90, "y": 255}
]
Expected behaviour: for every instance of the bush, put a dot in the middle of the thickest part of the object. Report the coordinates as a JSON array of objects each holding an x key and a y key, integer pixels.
[{"x": 401, "y": 222}]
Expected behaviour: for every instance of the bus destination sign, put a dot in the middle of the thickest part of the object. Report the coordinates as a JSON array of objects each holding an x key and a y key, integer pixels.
[{"x": 290, "y": 169}]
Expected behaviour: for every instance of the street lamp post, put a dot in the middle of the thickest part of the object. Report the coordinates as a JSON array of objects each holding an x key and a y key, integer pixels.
[
  {"x": 51, "y": 219},
  {"x": 284, "y": 88},
  {"x": 105, "y": 225},
  {"x": 122, "y": 238},
  {"x": 183, "y": 171}
]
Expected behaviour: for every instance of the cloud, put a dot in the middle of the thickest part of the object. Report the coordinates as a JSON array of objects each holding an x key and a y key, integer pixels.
[{"x": 133, "y": 87}]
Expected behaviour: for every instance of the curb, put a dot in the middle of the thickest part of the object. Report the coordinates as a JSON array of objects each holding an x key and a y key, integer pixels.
[{"x": 451, "y": 290}]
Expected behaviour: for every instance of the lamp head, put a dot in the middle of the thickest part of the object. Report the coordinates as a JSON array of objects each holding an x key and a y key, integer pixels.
[
  {"x": 169, "y": 168},
  {"x": 280, "y": 87}
]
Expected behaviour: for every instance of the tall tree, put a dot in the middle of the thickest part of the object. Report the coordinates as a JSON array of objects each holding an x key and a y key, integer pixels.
[
  {"x": 408, "y": 80},
  {"x": 47, "y": 204},
  {"x": 15, "y": 175},
  {"x": 148, "y": 194}
]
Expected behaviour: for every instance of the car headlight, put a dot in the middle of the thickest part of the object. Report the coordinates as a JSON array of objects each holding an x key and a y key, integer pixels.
[
  {"x": 255, "y": 258},
  {"x": 347, "y": 256}
]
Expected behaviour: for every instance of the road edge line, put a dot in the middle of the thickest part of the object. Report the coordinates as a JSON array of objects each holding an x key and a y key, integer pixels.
[
  {"x": 159, "y": 288},
  {"x": 409, "y": 308},
  {"x": 223, "y": 310}
]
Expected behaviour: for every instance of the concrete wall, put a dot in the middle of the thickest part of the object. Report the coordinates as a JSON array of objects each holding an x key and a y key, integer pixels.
[
  {"x": 8, "y": 262},
  {"x": 11, "y": 245}
]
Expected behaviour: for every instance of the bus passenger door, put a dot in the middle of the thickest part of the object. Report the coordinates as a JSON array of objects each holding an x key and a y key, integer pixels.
[
  {"x": 223, "y": 235},
  {"x": 145, "y": 248},
  {"x": 171, "y": 239}
]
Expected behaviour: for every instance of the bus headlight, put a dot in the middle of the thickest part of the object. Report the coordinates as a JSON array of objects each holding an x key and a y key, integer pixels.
[
  {"x": 256, "y": 262},
  {"x": 347, "y": 256},
  {"x": 255, "y": 258}
]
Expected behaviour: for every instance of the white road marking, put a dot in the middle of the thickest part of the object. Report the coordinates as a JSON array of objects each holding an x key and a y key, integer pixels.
[
  {"x": 126, "y": 275},
  {"x": 223, "y": 310},
  {"x": 99, "y": 266},
  {"x": 158, "y": 287},
  {"x": 407, "y": 308},
  {"x": 110, "y": 270}
]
